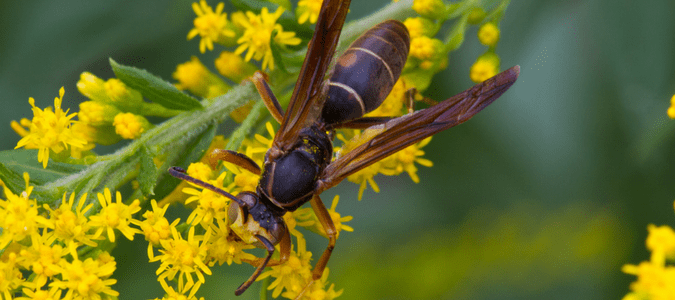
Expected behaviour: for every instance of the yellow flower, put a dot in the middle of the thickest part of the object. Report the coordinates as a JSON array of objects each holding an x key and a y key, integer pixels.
[
  {"x": 92, "y": 87},
  {"x": 97, "y": 113},
  {"x": 337, "y": 220},
  {"x": 224, "y": 248},
  {"x": 234, "y": 67},
  {"x": 115, "y": 215},
  {"x": 654, "y": 281},
  {"x": 257, "y": 37},
  {"x": 155, "y": 227},
  {"x": 671, "y": 109},
  {"x": 88, "y": 279},
  {"x": 426, "y": 48},
  {"x": 200, "y": 171},
  {"x": 488, "y": 34},
  {"x": 210, "y": 25},
  {"x": 405, "y": 160},
  {"x": 486, "y": 66},
  {"x": 71, "y": 226},
  {"x": 317, "y": 291},
  {"x": 419, "y": 26},
  {"x": 433, "y": 9},
  {"x": 50, "y": 130},
  {"x": 196, "y": 78},
  {"x": 301, "y": 217},
  {"x": 130, "y": 126},
  {"x": 661, "y": 242},
  {"x": 308, "y": 10},
  {"x": 43, "y": 260},
  {"x": 294, "y": 274},
  {"x": 211, "y": 205},
  {"x": 19, "y": 217},
  {"x": 183, "y": 258}
]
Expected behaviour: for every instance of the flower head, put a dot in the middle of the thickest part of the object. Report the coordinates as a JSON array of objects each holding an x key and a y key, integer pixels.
[
  {"x": 155, "y": 226},
  {"x": 71, "y": 226},
  {"x": 488, "y": 34},
  {"x": 308, "y": 10},
  {"x": 184, "y": 257},
  {"x": 486, "y": 66},
  {"x": 130, "y": 126},
  {"x": 88, "y": 279},
  {"x": 19, "y": 217},
  {"x": 260, "y": 31},
  {"x": 210, "y": 25},
  {"x": 50, "y": 130},
  {"x": 671, "y": 109},
  {"x": 115, "y": 215}
]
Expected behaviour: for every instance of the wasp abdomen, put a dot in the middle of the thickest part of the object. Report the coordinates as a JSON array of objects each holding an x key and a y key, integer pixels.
[{"x": 365, "y": 74}]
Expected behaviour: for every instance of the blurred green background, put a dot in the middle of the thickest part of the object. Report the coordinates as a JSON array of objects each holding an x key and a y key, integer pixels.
[{"x": 546, "y": 194}]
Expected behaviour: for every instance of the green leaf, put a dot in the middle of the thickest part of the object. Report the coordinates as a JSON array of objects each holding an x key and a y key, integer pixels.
[
  {"x": 13, "y": 163},
  {"x": 147, "y": 176},
  {"x": 194, "y": 150},
  {"x": 154, "y": 88}
]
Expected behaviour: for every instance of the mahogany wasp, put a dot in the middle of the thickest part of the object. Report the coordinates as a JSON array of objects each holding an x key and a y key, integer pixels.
[{"x": 299, "y": 166}]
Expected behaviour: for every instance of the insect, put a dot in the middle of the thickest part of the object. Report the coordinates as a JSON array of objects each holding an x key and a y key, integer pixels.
[{"x": 298, "y": 166}]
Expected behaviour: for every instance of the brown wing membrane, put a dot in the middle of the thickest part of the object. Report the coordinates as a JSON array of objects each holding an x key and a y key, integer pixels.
[
  {"x": 319, "y": 54},
  {"x": 402, "y": 132}
]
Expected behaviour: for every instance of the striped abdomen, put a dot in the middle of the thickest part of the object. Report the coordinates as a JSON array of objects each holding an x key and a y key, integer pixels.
[{"x": 365, "y": 74}]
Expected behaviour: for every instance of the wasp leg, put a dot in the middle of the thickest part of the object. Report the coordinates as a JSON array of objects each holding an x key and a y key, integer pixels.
[
  {"x": 233, "y": 157},
  {"x": 410, "y": 99},
  {"x": 327, "y": 222},
  {"x": 267, "y": 96},
  {"x": 284, "y": 253},
  {"x": 181, "y": 174},
  {"x": 270, "y": 250}
]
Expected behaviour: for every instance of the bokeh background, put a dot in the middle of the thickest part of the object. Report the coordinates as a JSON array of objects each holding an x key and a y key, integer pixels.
[{"x": 545, "y": 194}]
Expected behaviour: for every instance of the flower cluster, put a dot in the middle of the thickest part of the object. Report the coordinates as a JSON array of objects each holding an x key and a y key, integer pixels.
[
  {"x": 48, "y": 244},
  {"x": 656, "y": 277},
  {"x": 63, "y": 243}
]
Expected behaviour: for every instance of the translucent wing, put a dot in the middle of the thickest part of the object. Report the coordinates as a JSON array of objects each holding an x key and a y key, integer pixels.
[
  {"x": 308, "y": 88},
  {"x": 404, "y": 131}
]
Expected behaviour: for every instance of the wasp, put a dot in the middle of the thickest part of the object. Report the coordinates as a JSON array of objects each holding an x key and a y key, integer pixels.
[{"x": 299, "y": 166}]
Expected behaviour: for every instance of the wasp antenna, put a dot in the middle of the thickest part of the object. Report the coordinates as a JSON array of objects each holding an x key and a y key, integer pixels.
[{"x": 180, "y": 174}]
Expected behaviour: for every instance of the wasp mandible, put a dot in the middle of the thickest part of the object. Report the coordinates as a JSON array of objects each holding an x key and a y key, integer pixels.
[{"x": 298, "y": 166}]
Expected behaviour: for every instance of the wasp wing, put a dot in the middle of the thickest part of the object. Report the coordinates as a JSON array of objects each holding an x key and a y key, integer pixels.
[
  {"x": 308, "y": 88},
  {"x": 404, "y": 131}
]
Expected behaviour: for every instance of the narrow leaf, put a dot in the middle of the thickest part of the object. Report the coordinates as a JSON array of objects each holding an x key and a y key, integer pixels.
[
  {"x": 147, "y": 177},
  {"x": 154, "y": 88},
  {"x": 13, "y": 163}
]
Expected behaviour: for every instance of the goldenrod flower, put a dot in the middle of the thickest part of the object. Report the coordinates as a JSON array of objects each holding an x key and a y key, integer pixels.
[
  {"x": 184, "y": 258},
  {"x": 121, "y": 95},
  {"x": 308, "y": 10},
  {"x": 19, "y": 217},
  {"x": 92, "y": 87},
  {"x": 224, "y": 248},
  {"x": 338, "y": 220},
  {"x": 405, "y": 160},
  {"x": 257, "y": 36},
  {"x": 426, "y": 48},
  {"x": 200, "y": 171},
  {"x": 433, "y": 9},
  {"x": 36, "y": 293},
  {"x": 210, "y": 25},
  {"x": 300, "y": 217},
  {"x": 50, "y": 130},
  {"x": 317, "y": 291},
  {"x": 671, "y": 109},
  {"x": 419, "y": 26},
  {"x": 486, "y": 66},
  {"x": 130, "y": 126},
  {"x": 43, "y": 259},
  {"x": 661, "y": 242},
  {"x": 196, "y": 78},
  {"x": 115, "y": 215},
  {"x": 210, "y": 204},
  {"x": 71, "y": 226},
  {"x": 292, "y": 275},
  {"x": 155, "y": 226},
  {"x": 234, "y": 67},
  {"x": 97, "y": 113},
  {"x": 488, "y": 34},
  {"x": 88, "y": 279}
]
